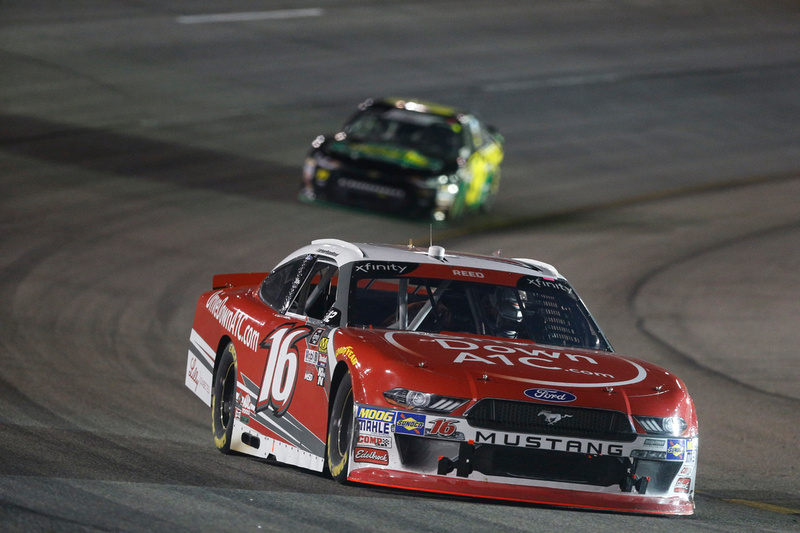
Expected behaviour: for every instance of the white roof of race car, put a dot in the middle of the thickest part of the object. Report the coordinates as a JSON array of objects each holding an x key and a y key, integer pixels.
[{"x": 344, "y": 252}]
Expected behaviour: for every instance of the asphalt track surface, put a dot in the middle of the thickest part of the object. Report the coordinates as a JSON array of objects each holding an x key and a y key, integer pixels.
[{"x": 653, "y": 156}]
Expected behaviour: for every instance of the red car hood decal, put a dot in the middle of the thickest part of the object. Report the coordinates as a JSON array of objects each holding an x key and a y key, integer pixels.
[{"x": 520, "y": 361}]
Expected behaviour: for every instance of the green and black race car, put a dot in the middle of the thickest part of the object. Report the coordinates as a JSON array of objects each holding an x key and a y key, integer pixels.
[{"x": 407, "y": 157}]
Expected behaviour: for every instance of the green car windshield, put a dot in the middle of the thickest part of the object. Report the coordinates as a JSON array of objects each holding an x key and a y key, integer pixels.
[{"x": 431, "y": 135}]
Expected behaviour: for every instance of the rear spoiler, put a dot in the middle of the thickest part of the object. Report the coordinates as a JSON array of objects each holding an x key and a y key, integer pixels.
[{"x": 227, "y": 281}]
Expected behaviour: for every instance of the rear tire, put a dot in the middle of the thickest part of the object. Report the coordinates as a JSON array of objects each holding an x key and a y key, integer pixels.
[
  {"x": 341, "y": 430},
  {"x": 223, "y": 400}
]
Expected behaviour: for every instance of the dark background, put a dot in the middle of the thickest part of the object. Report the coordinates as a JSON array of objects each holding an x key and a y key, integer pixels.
[{"x": 652, "y": 155}]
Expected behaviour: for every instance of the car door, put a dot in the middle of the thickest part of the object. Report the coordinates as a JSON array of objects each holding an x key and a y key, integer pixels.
[
  {"x": 294, "y": 383},
  {"x": 482, "y": 164}
]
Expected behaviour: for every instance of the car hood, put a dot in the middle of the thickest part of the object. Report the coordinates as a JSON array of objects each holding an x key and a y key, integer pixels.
[
  {"x": 480, "y": 367},
  {"x": 391, "y": 154}
]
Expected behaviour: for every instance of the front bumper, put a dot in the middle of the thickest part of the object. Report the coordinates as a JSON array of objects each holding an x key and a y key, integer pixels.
[
  {"x": 572, "y": 497},
  {"x": 445, "y": 454},
  {"x": 377, "y": 191}
]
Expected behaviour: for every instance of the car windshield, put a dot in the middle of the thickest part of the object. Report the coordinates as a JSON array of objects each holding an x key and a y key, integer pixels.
[
  {"x": 430, "y": 135},
  {"x": 545, "y": 311}
]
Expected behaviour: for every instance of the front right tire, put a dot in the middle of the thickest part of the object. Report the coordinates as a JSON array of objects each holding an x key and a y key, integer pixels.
[
  {"x": 223, "y": 400},
  {"x": 341, "y": 431}
]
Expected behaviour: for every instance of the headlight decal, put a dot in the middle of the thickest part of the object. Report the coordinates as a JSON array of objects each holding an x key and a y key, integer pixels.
[
  {"x": 673, "y": 426},
  {"x": 422, "y": 401}
]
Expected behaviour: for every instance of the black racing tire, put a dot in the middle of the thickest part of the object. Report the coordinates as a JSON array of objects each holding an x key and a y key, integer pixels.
[
  {"x": 223, "y": 400},
  {"x": 341, "y": 430}
]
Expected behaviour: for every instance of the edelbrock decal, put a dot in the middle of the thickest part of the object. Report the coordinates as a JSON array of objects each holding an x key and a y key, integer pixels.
[{"x": 550, "y": 395}]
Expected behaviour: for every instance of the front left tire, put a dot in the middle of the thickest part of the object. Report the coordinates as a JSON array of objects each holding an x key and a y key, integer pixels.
[
  {"x": 223, "y": 400},
  {"x": 341, "y": 431}
]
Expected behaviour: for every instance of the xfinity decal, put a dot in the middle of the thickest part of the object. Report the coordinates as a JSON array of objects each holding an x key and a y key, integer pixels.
[
  {"x": 543, "y": 283},
  {"x": 368, "y": 269}
]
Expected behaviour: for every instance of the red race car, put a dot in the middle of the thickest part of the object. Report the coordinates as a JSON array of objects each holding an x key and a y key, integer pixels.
[{"x": 450, "y": 373}]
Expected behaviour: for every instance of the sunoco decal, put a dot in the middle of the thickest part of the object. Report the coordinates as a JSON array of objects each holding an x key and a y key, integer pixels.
[
  {"x": 676, "y": 449},
  {"x": 550, "y": 395},
  {"x": 411, "y": 424}
]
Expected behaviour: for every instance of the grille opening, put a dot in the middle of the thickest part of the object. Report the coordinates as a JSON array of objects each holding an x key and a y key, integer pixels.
[{"x": 549, "y": 419}]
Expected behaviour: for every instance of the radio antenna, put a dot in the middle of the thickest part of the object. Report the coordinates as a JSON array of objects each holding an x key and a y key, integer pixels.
[{"x": 431, "y": 231}]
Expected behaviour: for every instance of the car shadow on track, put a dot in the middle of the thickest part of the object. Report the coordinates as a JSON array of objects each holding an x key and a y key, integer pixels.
[{"x": 108, "y": 152}]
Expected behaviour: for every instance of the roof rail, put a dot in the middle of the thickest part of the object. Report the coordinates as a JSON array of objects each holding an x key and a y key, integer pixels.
[
  {"x": 340, "y": 243},
  {"x": 545, "y": 268}
]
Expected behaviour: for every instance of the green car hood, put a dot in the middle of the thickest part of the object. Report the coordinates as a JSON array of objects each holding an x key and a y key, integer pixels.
[{"x": 386, "y": 153}]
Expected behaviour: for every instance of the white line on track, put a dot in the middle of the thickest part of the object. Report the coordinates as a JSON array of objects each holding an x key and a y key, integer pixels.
[
  {"x": 564, "y": 81},
  {"x": 248, "y": 16}
]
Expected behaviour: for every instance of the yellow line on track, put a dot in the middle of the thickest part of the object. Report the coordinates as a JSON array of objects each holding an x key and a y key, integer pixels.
[{"x": 764, "y": 506}]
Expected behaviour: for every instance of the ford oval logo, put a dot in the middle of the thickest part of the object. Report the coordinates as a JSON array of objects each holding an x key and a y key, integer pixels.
[{"x": 550, "y": 395}]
